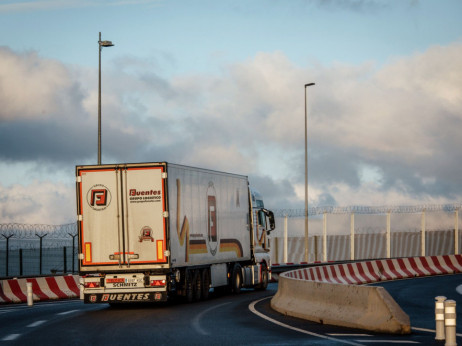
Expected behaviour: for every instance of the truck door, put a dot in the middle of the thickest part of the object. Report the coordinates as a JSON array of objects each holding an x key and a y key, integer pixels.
[
  {"x": 144, "y": 217},
  {"x": 122, "y": 215},
  {"x": 99, "y": 211}
]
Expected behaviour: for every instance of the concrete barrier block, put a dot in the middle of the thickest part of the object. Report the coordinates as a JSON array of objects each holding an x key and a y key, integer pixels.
[{"x": 362, "y": 307}]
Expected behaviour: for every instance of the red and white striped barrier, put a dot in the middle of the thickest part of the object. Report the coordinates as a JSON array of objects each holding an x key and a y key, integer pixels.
[
  {"x": 380, "y": 270},
  {"x": 43, "y": 288}
]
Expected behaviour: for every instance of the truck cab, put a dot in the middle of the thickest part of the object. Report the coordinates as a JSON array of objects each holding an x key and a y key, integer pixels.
[{"x": 263, "y": 224}]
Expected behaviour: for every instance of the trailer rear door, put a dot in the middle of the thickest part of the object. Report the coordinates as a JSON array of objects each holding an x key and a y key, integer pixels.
[{"x": 122, "y": 216}]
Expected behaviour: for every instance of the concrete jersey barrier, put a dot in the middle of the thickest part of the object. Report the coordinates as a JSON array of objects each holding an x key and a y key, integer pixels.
[
  {"x": 352, "y": 306},
  {"x": 330, "y": 294}
]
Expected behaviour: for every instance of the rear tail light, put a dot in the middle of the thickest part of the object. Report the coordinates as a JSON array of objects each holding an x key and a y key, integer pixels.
[
  {"x": 158, "y": 283},
  {"x": 92, "y": 284}
]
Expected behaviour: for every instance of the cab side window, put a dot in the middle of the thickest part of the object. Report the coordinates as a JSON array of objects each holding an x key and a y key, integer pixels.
[{"x": 261, "y": 219}]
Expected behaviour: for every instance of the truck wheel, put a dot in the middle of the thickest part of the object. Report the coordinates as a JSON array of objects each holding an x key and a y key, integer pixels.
[
  {"x": 236, "y": 282},
  {"x": 197, "y": 283},
  {"x": 264, "y": 278},
  {"x": 205, "y": 284},
  {"x": 189, "y": 287}
]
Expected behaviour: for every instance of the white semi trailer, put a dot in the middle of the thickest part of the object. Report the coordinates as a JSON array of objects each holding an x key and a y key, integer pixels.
[{"x": 152, "y": 231}]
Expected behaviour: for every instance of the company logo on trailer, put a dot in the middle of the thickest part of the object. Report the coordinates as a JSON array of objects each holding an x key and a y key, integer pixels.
[
  {"x": 135, "y": 192},
  {"x": 212, "y": 219},
  {"x": 99, "y": 197},
  {"x": 146, "y": 234}
]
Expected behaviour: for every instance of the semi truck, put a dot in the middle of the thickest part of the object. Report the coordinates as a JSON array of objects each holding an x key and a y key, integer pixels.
[{"x": 149, "y": 232}]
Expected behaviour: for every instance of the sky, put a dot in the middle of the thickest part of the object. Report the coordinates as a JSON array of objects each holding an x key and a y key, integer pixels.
[{"x": 220, "y": 85}]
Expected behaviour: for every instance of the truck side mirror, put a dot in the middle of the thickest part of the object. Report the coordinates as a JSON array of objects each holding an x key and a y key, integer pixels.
[
  {"x": 270, "y": 215},
  {"x": 271, "y": 220}
]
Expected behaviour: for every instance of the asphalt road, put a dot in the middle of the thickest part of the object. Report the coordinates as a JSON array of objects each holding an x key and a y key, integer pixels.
[
  {"x": 417, "y": 297},
  {"x": 246, "y": 319}
]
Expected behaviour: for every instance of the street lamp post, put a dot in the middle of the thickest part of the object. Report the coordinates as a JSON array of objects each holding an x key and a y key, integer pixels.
[
  {"x": 306, "y": 178},
  {"x": 101, "y": 44}
]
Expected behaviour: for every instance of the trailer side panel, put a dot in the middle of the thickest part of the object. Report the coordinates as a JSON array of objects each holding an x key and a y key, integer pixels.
[{"x": 209, "y": 216}]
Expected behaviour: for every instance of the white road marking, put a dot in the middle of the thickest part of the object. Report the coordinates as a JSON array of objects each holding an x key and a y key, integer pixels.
[
  {"x": 196, "y": 321},
  {"x": 57, "y": 302},
  {"x": 36, "y": 324},
  {"x": 429, "y": 330},
  {"x": 9, "y": 308},
  {"x": 424, "y": 330},
  {"x": 252, "y": 309},
  {"x": 459, "y": 289},
  {"x": 390, "y": 341},
  {"x": 347, "y": 334},
  {"x": 11, "y": 337},
  {"x": 67, "y": 312}
]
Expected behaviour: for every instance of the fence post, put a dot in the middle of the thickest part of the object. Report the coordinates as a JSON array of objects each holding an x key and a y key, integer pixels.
[
  {"x": 65, "y": 260},
  {"x": 276, "y": 255},
  {"x": 7, "y": 251},
  {"x": 73, "y": 250},
  {"x": 315, "y": 248},
  {"x": 422, "y": 240},
  {"x": 388, "y": 234},
  {"x": 40, "y": 253},
  {"x": 352, "y": 237},
  {"x": 456, "y": 232},
  {"x": 20, "y": 263},
  {"x": 285, "y": 239},
  {"x": 324, "y": 237}
]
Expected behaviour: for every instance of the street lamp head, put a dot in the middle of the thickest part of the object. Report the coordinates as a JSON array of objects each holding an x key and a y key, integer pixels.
[
  {"x": 105, "y": 44},
  {"x": 309, "y": 84}
]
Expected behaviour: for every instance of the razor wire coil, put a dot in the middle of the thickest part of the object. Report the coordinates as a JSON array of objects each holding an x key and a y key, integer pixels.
[{"x": 313, "y": 211}]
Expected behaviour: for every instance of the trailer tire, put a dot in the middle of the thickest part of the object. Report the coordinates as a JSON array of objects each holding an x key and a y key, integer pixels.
[
  {"x": 197, "y": 284},
  {"x": 205, "y": 284},
  {"x": 264, "y": 278},
  {"x": 189, "y": 287},
  {"x": 236, "y": 282}
]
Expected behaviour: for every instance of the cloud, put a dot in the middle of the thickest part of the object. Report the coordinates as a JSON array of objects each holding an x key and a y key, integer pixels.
[
  {"x": 32, "y": 87},
  {"x": 44, "y": 5},
  {"x": 354, "y": 5},
  {"x": 38, "y": 202},
  {"x": 402, "y": 118},
  {"x": 377, "y": 134}
]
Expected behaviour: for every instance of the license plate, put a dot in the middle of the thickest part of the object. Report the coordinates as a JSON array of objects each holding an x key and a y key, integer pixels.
[{"x": 124, "y": 282}]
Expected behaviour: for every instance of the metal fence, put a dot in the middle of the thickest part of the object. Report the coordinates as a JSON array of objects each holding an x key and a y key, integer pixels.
[
  {"x": 356, "y": 233},
  {"x": 335, "y": 234},
  {"x": 27, "y": 249}
]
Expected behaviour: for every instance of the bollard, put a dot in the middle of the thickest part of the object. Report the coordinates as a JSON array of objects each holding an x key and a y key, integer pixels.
[
  {"x": 81, "y": 288},
  {"x": 30, "y": 298},
  {"x": 450, "y": 322},
  {"x": 439, "y": 317}
]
